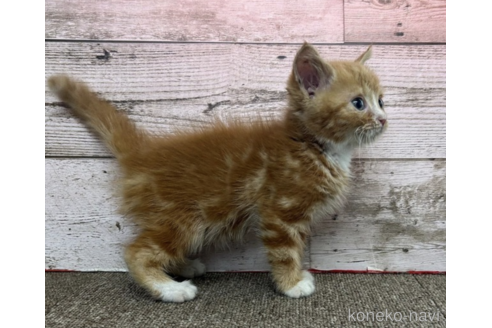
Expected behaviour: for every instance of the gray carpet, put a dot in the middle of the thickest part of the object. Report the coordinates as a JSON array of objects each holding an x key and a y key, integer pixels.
[{"x": 75, "y": 299}]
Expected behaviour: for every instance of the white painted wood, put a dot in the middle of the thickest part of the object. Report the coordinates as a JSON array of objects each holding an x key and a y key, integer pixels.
[
  {"x": 175, "y": 71},
  {"x": 196, "y": 20},
  {"x": 395, "y": 21},
  {"x": 168, "y": 86},
  {"x": 395, "y": 221},
  {"x": 410, "y": 134},
  {"x": 85, "y": 232}
]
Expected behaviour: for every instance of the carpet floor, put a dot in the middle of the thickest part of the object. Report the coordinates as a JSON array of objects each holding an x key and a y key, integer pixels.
[{"x": 103, "y": 299}]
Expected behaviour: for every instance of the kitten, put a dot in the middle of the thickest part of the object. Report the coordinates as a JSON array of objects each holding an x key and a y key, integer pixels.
[{"x": 193, "y": 189}]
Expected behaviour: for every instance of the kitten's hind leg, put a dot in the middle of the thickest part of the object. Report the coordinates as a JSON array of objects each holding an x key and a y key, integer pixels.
[
  {"x": 189, "y": 269},
  {"x": 147, "y": 260}
]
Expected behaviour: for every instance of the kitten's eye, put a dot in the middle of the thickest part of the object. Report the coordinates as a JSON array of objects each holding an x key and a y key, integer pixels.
[
  {"x": 381, "y": 102},
  {"x": 359, "y": 103}
]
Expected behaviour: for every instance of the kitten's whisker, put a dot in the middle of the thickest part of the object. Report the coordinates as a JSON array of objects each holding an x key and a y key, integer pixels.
[
  {"x": 369, "y": 143},
  {"x": 359, "y": 139}
]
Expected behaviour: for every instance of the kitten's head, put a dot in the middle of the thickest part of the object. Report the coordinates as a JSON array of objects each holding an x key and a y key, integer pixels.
[{"x": 339, "y": 101}]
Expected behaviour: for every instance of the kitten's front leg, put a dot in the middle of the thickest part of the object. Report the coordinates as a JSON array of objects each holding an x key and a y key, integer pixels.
[{"x": 285, "y": 248}]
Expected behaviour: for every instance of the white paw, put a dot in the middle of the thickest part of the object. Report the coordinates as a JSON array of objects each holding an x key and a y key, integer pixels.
[
  {"x": 177, "y": 292},
  {"x": 193, "y": 268},
  {"x": 305, "y": 287}
]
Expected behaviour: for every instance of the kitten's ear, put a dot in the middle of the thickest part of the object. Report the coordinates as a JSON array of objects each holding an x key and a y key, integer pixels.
[
  {"x": 311, "y": 71},
  {"x": 365, "y": 56}
]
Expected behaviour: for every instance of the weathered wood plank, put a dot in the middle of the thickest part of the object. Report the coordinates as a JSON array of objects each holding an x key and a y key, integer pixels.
[
  {"x": 411, "y": 135},
  {"x": 395, "y": 221},
  {"x": 137, "y": 71},
  {"x": 84, "y": 231},
  {"x": 196, "y": 20},
  {"x": 395, "y": 21},
  {"x": 165, "y": 86}
]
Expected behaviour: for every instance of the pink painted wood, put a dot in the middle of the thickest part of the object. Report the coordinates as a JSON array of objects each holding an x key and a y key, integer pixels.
[{"x": 403, "y": 21}]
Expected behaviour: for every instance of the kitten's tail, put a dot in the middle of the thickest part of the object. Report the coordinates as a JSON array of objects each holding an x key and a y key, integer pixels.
[{"x": 118, "y": 132}]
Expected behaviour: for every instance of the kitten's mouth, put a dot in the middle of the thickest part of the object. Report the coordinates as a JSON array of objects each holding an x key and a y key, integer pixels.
[{"x": 368, "y": 135}]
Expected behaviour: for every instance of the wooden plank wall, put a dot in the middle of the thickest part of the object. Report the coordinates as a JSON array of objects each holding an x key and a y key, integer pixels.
[{"x": 172, "y": 63}]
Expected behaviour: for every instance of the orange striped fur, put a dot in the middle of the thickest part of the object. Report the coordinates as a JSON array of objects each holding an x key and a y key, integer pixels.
[{"x": 193, "y": 189}]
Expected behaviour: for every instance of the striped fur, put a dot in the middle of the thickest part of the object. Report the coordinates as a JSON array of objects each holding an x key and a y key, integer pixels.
[{"x": 209, "y": 186}]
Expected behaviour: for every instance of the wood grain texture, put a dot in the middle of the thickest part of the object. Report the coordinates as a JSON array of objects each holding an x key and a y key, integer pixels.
[
  {"x": 196, "y": 20},
  {"x": 395, "y": 21},
  {"x": 395, "y": 206},
  {"x": 395, "y": 221},
  {"x": 169, "y": 86},
  {"x": 84, "y": 231}
]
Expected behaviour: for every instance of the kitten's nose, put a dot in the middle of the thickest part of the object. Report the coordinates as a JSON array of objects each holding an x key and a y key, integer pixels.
[{"x": 383, "y": 121}]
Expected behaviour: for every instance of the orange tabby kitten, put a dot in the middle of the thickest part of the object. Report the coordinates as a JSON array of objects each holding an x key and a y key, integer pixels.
[{"x": 189, "y": 190}]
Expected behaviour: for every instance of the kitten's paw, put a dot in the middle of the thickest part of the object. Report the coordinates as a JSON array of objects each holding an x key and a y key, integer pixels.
[
  {"x": 305, "y": 287},
  {"x": 176, "y": 292},
  {"x": 194, "y": 268}
]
